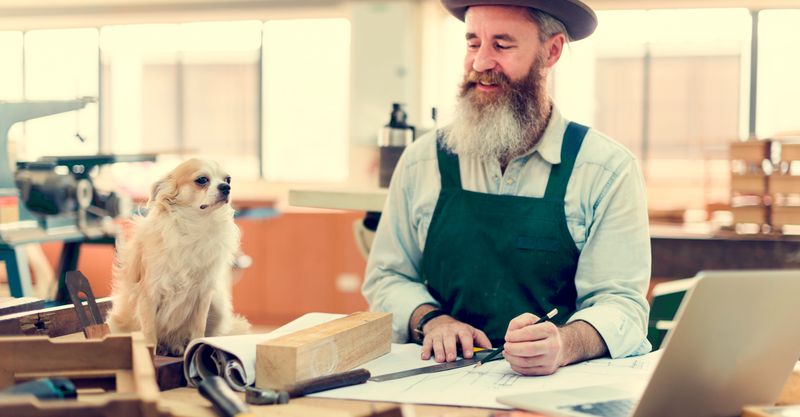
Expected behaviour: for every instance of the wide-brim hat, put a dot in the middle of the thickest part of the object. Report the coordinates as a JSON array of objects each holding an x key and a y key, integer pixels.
[{"x": 578, "y": 18}]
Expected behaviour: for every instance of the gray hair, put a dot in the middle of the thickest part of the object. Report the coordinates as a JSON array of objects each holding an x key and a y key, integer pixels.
[{"x": 548, "y": 25}]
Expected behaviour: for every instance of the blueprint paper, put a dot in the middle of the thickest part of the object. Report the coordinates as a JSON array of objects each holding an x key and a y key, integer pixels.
[{"x": 478, "y": 387}]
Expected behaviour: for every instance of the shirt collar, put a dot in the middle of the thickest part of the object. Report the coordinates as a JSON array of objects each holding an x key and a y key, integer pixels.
[{"x": 549, "y": 146}]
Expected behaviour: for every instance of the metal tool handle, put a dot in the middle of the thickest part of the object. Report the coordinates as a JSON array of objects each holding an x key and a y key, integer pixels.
[
  {"x": 227, "y": 403},
  {"x": 323, "y": 383},
  {"x": 76, "y": 284}
]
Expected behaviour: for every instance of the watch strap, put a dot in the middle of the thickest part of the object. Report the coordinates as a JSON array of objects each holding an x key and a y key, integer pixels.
[{"x": 425, "y": 319}]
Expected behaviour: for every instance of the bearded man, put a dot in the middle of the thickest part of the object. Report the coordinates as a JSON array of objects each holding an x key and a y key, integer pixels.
[{"x": 513, "y": 211}]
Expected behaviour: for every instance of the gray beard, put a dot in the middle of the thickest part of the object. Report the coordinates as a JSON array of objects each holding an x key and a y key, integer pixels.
[
  {"x": 492, "y": 134},
  {"x": 503, "y": 129}
]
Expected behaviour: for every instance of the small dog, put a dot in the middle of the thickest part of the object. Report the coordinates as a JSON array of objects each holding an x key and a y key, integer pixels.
[{"x": 172, "y": 279}]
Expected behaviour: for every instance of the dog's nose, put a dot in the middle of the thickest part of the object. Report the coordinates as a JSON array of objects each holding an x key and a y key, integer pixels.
[{"x": 224, "y": 188}]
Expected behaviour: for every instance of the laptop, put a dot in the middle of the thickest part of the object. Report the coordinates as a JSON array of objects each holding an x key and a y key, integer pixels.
[{"x": 736, "y": 341}]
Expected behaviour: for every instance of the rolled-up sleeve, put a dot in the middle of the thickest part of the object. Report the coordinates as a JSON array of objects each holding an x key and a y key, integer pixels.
[
  {"x": 614, "y": 267},
  {"x": 392, "y": 282}
]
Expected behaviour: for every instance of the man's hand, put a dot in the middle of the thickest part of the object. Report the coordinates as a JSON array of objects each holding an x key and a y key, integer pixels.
[
  {"x": 533, "y": 349},
  {"x": 443, "y": 333},
  {"x": 540, "y": 349}
]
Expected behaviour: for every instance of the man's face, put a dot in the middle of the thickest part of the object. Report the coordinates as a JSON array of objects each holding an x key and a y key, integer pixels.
[{"x": 500, "y": 39}]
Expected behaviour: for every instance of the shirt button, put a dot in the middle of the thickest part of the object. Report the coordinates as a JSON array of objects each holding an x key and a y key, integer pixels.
[{"x": 510, "y": 181}]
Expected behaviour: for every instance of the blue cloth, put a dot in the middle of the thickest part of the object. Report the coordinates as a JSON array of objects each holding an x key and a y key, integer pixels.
[{"x": 606, "y": 209}]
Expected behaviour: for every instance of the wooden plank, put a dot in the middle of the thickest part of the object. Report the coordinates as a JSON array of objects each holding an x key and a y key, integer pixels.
[
  {"x": 749, "y": 184},
  {"x": 123, "y": 407},
  {"x": 361, "y": 199},
  {"x": 53, "y": 322},
  {"x": 785, "y": 215},
  {"x": 11, "y": 305},
  {"x": 40, "y": 354},
  {"x": 336, "y": 346},
  {"x": 790, "y": 152},
  {"x": 784, "y": 184},
  {"x": 751, "y": 150},
  {"x": 749, "y": 214}
]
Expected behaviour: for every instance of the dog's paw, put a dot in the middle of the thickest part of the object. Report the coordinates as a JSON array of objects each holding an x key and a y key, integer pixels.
[{"x": 171, "y": 349}]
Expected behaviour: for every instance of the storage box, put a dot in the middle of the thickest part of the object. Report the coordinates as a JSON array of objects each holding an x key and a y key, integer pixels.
[{"x": 114, "y": 376}]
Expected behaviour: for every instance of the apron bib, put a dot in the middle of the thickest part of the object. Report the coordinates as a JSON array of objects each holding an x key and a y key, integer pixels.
[{"x": 489, "y": 258}]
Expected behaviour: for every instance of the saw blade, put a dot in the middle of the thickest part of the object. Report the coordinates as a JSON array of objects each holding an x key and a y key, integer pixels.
[{"x": 433, "y": 368}]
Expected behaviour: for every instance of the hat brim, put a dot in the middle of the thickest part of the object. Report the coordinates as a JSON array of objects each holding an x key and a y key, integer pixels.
[{"x": 578, "y": 18}]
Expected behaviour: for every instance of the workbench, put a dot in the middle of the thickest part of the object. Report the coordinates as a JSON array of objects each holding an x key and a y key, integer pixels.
[{"x": 187, "y": 402}]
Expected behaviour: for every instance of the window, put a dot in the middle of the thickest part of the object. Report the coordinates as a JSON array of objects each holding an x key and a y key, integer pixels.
[
  {"x": 188, "y": 89},
  {"x": 305, "y": 93},
  {"x": 670, "y": 85},
  {"x": 11, "y": 66},
  {"x": 60, "y": 65},
  {"x": 778, "y": 106}
]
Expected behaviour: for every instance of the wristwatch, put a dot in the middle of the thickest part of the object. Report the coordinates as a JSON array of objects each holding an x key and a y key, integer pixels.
[{"x": 426, "y": 318}]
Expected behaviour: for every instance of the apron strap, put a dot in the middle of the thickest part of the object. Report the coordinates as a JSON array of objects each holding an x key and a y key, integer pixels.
[
  {"x": 448, "y": 164},
  {"x": 560, "y": 173}
]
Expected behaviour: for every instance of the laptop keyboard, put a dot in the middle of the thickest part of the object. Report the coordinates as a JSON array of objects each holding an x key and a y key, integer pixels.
[{"x": 616, "y": 408}]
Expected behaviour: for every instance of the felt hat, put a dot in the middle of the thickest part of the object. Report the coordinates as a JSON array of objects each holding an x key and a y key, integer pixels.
[{"x": 577, "y": 17}]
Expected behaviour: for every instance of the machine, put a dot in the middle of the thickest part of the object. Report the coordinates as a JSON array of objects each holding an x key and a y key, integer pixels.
[{"x": 52, "y": 199}]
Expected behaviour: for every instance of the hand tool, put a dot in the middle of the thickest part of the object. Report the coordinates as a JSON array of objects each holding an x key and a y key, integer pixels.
[
  {"x": 433, "y": 368},
  {"x": 77, "y": 283},
  {"x": 54, "y": 388},
  {"x": 225, "y": 401},
  {"x": 309, "y": 386}
]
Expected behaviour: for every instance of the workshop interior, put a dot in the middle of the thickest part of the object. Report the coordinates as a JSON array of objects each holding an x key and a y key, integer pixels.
[{"x": 307, "y": 107}]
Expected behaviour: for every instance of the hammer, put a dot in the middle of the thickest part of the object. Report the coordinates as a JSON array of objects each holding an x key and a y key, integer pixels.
[{"x": 258, "y": 396}]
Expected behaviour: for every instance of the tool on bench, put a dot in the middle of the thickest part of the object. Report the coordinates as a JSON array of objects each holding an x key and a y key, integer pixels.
[
  {"x": 225, "y": 401},
  {"x": 94, "y": 328},
  {"x": 433, "y": 368},
  {"x": 258, "y": 396},
  {"x": 55, "y": 388}
]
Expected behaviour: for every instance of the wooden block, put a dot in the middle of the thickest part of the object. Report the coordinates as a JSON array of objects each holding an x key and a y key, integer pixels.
[
  {"x": 336, "y": 346},
  {"x": 96, "y": 331},
  {"x": 169, "y": 372}
]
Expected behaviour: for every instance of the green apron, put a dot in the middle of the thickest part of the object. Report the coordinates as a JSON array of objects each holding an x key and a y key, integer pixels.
[{"x": 489, "y": 258}]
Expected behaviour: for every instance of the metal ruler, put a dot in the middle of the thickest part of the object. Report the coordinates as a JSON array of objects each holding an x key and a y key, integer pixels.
[{"x": 434, "y": 368}]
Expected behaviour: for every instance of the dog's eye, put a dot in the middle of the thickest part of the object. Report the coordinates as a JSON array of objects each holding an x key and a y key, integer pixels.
[
  {"x": 228, "y": 180},
  {"x": 201, "y": 181}
]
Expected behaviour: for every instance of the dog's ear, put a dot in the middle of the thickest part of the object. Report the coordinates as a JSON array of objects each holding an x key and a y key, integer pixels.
[{"x": 164, "y": 191}]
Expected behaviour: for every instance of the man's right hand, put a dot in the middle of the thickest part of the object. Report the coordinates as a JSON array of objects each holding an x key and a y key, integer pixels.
[{"x": 443, "y": 333}]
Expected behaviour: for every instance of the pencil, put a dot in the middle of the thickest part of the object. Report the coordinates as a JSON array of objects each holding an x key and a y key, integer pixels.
[{"x": 499, "y": 350}]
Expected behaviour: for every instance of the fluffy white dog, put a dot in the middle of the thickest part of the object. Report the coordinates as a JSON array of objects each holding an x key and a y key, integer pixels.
[{"x": 172, "y": 278}]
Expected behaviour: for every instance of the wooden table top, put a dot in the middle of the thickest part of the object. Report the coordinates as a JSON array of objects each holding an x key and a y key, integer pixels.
[{"x": 187, "y": 402}]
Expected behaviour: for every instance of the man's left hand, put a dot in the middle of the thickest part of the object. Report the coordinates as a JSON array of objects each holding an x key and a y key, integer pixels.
[{"x": 533, "y": 349}]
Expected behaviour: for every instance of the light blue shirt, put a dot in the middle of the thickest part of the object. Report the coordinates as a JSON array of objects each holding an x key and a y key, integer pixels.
[{"x": 606, "y": 210}]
